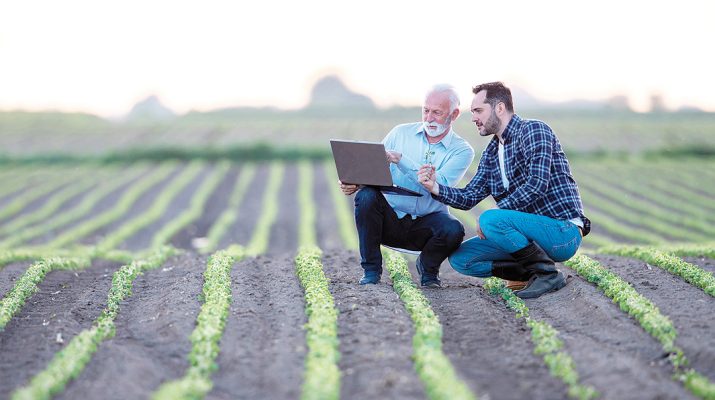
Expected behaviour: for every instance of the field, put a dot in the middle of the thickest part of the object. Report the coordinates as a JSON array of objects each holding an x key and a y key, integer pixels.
[{"x": 238, "y": 280}]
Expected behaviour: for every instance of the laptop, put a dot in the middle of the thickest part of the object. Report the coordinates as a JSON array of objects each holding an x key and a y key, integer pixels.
[{"x": 365, "y": 163}]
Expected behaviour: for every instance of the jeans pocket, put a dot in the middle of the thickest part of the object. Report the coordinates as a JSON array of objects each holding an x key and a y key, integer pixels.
[{"x": 562, "y": 252}]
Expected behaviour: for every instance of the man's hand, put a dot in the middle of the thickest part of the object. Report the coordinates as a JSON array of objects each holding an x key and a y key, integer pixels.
[
  {"x": 428, "y": 178},
  {"x": 348, "y": 189},
  {"x": 393, "y": 156},
  {"x": 480, "y": 234}
]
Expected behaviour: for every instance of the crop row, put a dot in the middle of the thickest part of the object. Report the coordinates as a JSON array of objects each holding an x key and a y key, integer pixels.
[
  {"x": 650, "y": 188},
  {"x": 654, "y": 217},
  {"x": 690, "y": 273},
  {"x": 116, "y": 212},
  {"x": 51, "y": 206},
  {"x": 322, "y": 376},
  {"x": 69, "y": 362},
  {"x": 61, "y": 219},
  {"x": 210, "y": 324},
  {"x": 546, "y": 342},
  {"x": 649, "y": 317},
  {"x": 154, "y": 213},
  {"x": 195, "y": 209},
  {"x": 230, "y": 214},
  {"x": 432, "y": 365},
  {"x": 26, "y": 285},
  {"x": 34, "y": 193},
  {"x": 260, "y": 240},
  {"x": 344, "y": 218}
]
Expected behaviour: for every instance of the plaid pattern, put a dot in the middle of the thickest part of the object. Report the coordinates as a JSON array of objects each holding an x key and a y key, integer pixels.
[{"x": 540, "y": 180}]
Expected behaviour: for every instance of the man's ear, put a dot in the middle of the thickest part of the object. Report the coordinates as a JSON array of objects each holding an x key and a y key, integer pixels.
[
  {"x": 455, "y": 113},
  {"x": 501, "y": 109}
]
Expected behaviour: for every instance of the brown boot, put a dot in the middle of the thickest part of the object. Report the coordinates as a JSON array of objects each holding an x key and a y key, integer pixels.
[
  {"x": 547, "y": 277},
  {"x": 515, "y": 285}
]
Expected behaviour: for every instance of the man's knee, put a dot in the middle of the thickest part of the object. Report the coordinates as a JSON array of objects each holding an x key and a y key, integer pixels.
[
  {"x": 460, "y": 262},
  {"x": 489, "y": 221},
  {"x": 452, "y": 232},
  {"x": 367, "y": 197}
]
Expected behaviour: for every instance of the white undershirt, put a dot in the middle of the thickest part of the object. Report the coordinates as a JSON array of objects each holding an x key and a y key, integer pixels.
[
  {"x": 576, "y": 221},
  {"x": 504, "y": 180}
]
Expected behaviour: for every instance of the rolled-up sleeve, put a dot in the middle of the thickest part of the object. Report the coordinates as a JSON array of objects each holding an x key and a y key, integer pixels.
[{"x": 465, "y": 198}]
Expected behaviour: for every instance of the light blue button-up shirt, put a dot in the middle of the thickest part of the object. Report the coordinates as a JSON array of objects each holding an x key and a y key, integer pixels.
[{"x": 451, "y": 157}]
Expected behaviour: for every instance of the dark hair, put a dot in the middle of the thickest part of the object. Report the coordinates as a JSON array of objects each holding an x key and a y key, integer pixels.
[{"x": 496, "y": 93}]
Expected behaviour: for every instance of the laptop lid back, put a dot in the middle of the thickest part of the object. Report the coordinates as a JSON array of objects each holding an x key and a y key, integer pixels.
[{"x": 361, "y": 163}]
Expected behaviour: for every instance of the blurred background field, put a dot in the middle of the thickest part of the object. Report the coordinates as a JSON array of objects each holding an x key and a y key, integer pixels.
[
  {"x": 593, "y": 128},
  {"x": 645, "y": 177}
]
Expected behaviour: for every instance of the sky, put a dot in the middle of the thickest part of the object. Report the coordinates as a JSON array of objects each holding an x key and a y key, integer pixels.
[{"x": 102, "y": 57}]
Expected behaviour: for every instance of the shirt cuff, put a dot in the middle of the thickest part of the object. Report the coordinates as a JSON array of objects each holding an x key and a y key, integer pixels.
[{"x": 407, "y": 166}]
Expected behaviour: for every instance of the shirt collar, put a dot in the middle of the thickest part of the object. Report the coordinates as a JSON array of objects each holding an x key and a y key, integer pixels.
[
  {"x": 511, "y": 127},
  {"x": 446, "y": 140}
]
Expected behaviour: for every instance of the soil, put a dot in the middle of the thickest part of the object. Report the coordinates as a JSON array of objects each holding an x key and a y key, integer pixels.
[
  {"x": 691, "y": 310},
  {"x": 326, "y": 223},
  {"x": 262, "y": 351},
  {"x": 141, "y": 205},
  {"x": 66, "y": 303},
  {"x": 249, "y": 210},
  {"x": 9, "y": 274},
  {"x": 610, "y": 350},
  {"x": 284, "y": 233},
  {"x": 705, "y": 263},
  {"x": 215, "y": 205},
  {"x": 65, "y": 206},
  {"x": 490, "y": 349},
  {"x": 33, "y": 205},
  {"x": 142, "y": 239},
  {"x": 375, "y": 334},
  {"x": 263, "y": 347},
  {"x": 102, "y": 205},
  {"x": 152, "y": 335}
]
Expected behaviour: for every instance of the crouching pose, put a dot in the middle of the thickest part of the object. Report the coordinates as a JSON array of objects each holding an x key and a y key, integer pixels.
[
  {"x": 415, "y": 223},
  {"x": 540, "y": 217}
]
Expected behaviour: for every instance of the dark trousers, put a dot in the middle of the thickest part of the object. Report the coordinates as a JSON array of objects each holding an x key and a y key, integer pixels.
[{"x": 436, "y": 235}]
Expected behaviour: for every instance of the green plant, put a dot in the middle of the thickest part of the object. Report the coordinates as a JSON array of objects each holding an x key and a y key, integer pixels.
[
  {"x": 229, "y": 215},
  {"x": 210, "y": 324},
  {"x": 546, "y": 342},
  {"x": 322, "y": 376},
  {"x": 69, "y": 362},
  {"x": 259, "y": 239},
  {"x": 650, "y": 319},
  {"x": 432, "y": 365},
  {"x": 343, "y": 213},
  {"x": 26, "y": 285},
  {"x": 690, "y": 273}
]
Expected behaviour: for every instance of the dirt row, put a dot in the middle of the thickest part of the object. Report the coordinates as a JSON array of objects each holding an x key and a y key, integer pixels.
[{"x": 263, "y": 348}]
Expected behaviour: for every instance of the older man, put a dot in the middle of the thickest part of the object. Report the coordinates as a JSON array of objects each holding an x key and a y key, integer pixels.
[
  {"x": 415, "y": 223},
  {"x": 540, "y": 217}
]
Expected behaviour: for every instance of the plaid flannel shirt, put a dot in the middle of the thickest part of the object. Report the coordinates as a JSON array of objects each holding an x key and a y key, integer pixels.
[{"x": 540, "y": 180}]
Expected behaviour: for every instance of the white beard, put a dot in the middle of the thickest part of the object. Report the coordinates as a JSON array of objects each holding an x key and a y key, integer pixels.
[{"x": 436, "y": 128}]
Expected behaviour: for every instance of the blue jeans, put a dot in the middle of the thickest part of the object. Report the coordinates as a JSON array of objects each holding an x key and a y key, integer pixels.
[{"x": 507, "y": 231}]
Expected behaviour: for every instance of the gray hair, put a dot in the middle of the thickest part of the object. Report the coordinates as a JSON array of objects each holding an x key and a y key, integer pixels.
[{"x": 451, "y": 92}]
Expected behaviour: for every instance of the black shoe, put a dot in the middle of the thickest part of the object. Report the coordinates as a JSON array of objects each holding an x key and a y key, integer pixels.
[
  {"x": 546, "y": 277},
  {"x": 427, "y": 280},
  {"x": 370, "y": 278}
]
